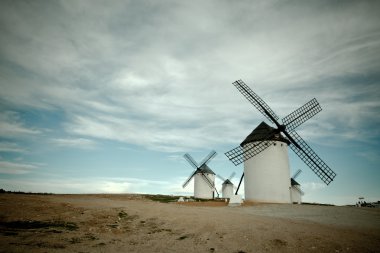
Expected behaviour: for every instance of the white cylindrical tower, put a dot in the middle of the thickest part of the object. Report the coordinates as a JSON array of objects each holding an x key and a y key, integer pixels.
[
  {"x": 202, "y": 187},
  {"x": 267, "y": 174},
  {"x": 227, "y": 189}
]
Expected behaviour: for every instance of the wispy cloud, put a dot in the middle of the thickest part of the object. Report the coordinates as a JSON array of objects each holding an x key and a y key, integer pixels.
[
  {"x": 370, "y": 155},
  {"x": 11, "y": 147},
  {"x": 12, "y": 126},
  {"x": 81, "y": 143},
  {"x": 16, "y": 168}
]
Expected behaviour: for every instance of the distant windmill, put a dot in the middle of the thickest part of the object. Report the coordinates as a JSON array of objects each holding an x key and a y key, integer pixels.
[
  {"x": 295, "y": 191},
  {"x": 227, "y": 186},
  {"x": 266, "y": 175},
  {"x": 204, "y": 177}
]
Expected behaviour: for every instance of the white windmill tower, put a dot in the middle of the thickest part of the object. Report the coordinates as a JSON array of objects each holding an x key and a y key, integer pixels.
[
  {"x": 295, "y": 191},
  {"x": 227, "y": 186},
  {"x": 272, "y": 164},
  {"x": 265, "y": 152},
  {"x": 204, "y": 177}
]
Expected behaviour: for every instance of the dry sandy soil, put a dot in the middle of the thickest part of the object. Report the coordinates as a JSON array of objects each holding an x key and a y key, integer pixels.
[{"x": 133, "y": 223}]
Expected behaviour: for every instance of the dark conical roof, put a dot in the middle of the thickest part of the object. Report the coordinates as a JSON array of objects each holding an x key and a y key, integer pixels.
[
  {"x": 264, "y": 132},
  {"x": 205, "y": 169},
  {"x": 293, "y": 182},
  {"x": 227, "y": 181}
]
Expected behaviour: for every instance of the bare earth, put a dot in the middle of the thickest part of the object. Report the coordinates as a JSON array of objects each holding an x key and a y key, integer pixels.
[{"x": 132, "y": 223}]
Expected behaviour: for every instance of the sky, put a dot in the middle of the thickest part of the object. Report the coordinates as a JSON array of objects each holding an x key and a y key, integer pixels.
[{"x": 107, "y": 96}]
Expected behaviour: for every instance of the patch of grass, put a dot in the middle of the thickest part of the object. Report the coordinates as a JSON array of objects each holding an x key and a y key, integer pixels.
[
  {"x": 316, "y": 204},
  {"x": 162, "y": 198},
  {"x": 29, "y": 193},
  {"x": 39, "y": 224}
]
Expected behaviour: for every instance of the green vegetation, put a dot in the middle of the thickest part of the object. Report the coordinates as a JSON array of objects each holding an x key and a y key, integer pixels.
[
  {"x": 162, "y": 198},
  {"x": 20, "y": 192}
]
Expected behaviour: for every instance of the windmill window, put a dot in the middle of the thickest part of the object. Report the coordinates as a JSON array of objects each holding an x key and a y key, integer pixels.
[
  {"x": 274, "y": 144},
  {"x": 281, "y": 144}
]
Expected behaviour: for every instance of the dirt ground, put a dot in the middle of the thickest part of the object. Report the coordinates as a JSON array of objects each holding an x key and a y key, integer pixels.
[{"x": 133, "y": 223}]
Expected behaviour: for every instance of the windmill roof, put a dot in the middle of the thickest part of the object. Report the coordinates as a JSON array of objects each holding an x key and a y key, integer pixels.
[
  {"x": 205, "y": 169},
  {"x": 293, "y": 182},
  {"x": 264, "y": 132},
  {"x": 227, "y": 181}
]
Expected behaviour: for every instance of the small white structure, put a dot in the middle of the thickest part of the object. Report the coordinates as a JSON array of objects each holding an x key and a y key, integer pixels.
[
  {"x": 227, "y": 189},
  {"x": 266, "y": 175},
  {"x": 235, "y": 200}
]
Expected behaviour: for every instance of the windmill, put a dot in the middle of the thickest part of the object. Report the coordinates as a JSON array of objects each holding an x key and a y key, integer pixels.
[
  {"x": 295, "y": 191},
  {"x": 227, "y": 186},
  {"x": 266, "y": 175},
  {"x": 204, "y": 177}
]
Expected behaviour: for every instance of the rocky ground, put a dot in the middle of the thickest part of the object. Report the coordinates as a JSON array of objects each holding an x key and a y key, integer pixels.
[{"x": 136, "y": 223}]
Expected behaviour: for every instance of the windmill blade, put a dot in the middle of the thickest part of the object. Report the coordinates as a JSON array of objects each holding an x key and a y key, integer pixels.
[
  {"x": 239, "y": 154},
  {"x": 212, "y": 186},
  {"x": 254, "y": 99},
  {"x": 302, "y": 114},
  {"x": 232, "y": 175},
  {"x": 188, "y": 180},
  {"x": 208, "y": 158},
  {"x": 235, "y": 155},
  {"x": 192, "y": 162},
  {"x": 207, "y": 180},
  {"x": 241, "y": 179},
  {"x": 296, "y": 174},
  {"x": 299, "y": 190},
  {"x": 311, "y": 159},
  {"x": 221, "y": 178}
]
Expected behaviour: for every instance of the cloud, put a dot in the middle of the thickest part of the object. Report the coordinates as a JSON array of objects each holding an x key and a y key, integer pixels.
[
  {"x": 312, "y": 186},
  {"x": 12, "y": 126},
  {"x": 81, "y": 143},
  {"x": 370, "y": 155},
  {"x": 93, "y": 185},
  {"x": 16, "y": 168},
  {"x": 152, "y": 74},
  {"x": 11, "y": 147}
]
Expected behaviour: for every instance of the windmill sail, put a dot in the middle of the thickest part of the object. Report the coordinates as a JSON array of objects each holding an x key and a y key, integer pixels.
[{"x": 311, "y": 159}]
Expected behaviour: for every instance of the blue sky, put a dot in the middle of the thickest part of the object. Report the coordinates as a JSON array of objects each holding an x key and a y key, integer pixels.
[{"x": 106, "y": 96}]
